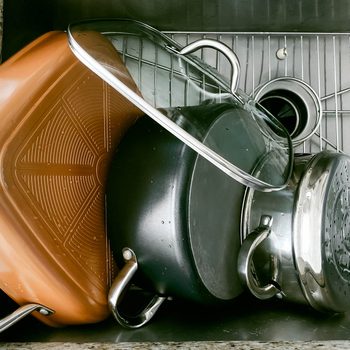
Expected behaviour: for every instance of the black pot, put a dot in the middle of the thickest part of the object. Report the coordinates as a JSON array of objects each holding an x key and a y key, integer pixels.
[{"x": 176, "y": 214}]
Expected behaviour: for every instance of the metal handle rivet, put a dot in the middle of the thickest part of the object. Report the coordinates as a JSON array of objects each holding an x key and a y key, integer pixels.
[
  {"x": 44, "y": 312},
  {"x": 127, "y": 254}
]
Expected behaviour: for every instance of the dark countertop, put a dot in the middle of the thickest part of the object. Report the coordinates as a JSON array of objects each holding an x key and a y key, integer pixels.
[{"x": 339, "y": 345}]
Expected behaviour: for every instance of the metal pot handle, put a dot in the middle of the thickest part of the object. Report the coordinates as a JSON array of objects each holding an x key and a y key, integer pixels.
[
  {"x": 246, "y": 265},
  {"x": 224, "y": 49},
  {"x": 120, "y": 285},
  {"x": 21, "y": 312}
]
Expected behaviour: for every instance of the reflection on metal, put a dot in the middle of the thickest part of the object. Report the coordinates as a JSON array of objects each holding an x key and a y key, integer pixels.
[{"x": 321, "y": 232}]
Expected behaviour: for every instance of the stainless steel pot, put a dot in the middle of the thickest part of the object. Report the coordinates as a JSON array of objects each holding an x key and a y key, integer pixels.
[{"x": 300, "y": 249}]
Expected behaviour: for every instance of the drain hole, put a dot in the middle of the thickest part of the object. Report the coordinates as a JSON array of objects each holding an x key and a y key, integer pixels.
[{"x": 288, "y": 108}]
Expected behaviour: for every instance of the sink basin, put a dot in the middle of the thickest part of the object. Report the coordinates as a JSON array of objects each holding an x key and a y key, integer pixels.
[{"x": 308, "y": 40}]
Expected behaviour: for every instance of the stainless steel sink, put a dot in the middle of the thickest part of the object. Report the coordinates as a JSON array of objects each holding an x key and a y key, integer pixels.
[
  {"x": 319, "y": 59},
  {"x": 315, "y": 35}
]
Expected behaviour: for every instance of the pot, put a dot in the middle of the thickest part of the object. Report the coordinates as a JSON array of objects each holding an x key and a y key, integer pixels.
[
  {"x": 59, "y": 125},
  {"x": 300, "y": 251},
  {"x": 175, "y": 211}
]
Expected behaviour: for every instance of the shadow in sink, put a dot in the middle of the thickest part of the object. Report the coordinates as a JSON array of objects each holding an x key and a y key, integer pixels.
[{"x": 246, "y": 319}]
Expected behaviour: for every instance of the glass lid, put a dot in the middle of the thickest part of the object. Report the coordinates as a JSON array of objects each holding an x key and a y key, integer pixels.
[{"x": 171, "y": 85}]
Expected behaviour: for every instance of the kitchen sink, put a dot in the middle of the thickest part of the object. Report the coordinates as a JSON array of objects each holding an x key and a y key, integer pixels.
[{"x": 306, "y": 40}]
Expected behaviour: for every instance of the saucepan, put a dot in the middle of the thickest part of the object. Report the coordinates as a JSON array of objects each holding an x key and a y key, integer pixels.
[
  {"x": 300, "y": 249},
  {"x": 177, "y": 179}
]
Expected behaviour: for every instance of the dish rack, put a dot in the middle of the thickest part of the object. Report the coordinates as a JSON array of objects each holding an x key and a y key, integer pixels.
[{"x": 319, "y": 59}]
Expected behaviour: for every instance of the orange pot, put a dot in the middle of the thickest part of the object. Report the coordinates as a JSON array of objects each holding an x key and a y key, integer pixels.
[{"x": 59, "y": 126}]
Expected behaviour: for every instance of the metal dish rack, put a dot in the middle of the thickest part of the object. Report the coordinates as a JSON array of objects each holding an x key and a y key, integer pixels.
[{"x": 319, "y": 59}]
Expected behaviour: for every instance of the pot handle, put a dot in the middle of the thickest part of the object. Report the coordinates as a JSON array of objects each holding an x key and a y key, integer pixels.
[
  {"x": 120, "y": 285},
  {"x": 246, "y": 266},
  {"x": 224, "y": 49},
  {"x": 21, "y": 312}
]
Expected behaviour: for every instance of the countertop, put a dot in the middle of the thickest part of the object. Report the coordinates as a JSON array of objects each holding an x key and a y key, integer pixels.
[{"x": 181, "y": 345}]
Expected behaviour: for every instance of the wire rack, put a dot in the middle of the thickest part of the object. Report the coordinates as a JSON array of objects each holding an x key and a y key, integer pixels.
[{"x": 322, "y": 60}]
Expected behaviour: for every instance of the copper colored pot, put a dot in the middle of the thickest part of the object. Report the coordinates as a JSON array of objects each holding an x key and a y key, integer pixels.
[{"x": 59, "y": 126}]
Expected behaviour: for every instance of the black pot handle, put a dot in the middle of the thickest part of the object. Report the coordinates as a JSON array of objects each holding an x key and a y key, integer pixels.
[{"x": 120, "y": 285}]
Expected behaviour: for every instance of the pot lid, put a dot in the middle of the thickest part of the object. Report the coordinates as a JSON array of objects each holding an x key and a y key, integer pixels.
[
  {"x": 168, "y": 77},
  {"x": 322, "y": 232}
]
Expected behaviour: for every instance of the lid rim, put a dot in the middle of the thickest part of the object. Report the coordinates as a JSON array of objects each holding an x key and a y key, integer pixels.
[{"x": 220, "y": 162}]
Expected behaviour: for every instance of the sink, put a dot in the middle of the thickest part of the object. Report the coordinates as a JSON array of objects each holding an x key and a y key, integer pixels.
[
  {"x": 308, "y": 40},
  {"x": 319, "y": 59}
]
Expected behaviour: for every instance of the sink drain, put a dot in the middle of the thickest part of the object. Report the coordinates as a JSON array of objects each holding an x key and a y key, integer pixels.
[
  {"x": 294, "y": 103},
  {"x": 288, "y": 108}
]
